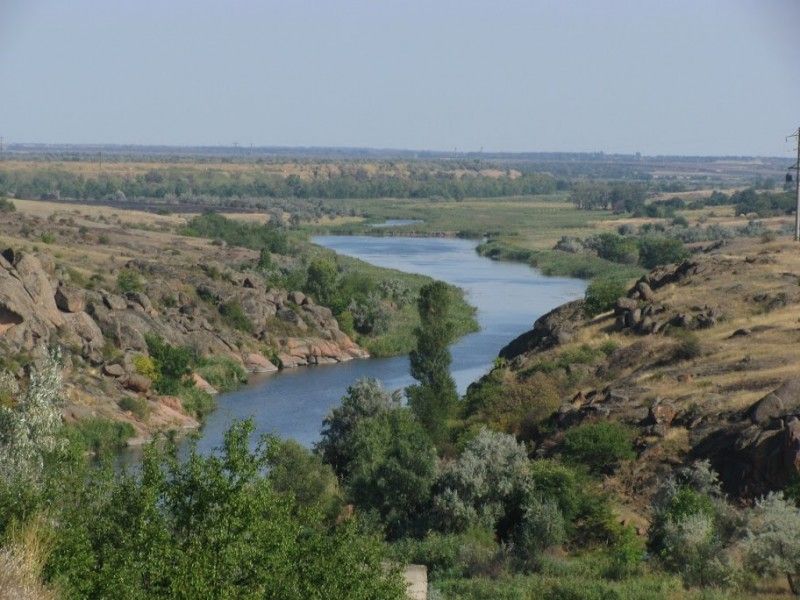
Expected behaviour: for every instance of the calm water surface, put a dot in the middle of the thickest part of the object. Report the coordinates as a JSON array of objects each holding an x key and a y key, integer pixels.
[{"x": 508, "y": 296}]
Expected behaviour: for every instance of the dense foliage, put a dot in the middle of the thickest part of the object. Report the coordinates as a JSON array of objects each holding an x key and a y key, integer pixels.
[
  {"x": 434, "y": 398},
  {"x": 160, "y": 183},
  {"x": 270, "y": 236}
]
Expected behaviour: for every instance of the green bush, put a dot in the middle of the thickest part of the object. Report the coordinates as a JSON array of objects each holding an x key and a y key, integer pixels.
[
  {"x": 688, "y": 346},
  {"x": 207, "y": 526},
  {"x": 269, "y": 236},
  {"x": 625, "y": 555},
  {"x": 346, "y": 322},
  {"x": 616, "y": 248},
  {"x": 234, "y": 316},
  {"x": 223, "y": 372},
  {"x": 602, "y": 293},
  {"x": 172, "y": 363},
  {"x": 129, "y": 280},
  {"x": 100, "y": 436},
  {"x": 600, "y": 446},
  {"x": 196, "y": 402},
  {"x": 137, "y": 406},
  {"x": 7, "y": 206},
  {"x": 656, "y": 250},
  {"x": 466, "y": 554}
]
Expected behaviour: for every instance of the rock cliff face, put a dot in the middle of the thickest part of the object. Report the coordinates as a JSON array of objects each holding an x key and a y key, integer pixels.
[{"x": 215, "y": 312}]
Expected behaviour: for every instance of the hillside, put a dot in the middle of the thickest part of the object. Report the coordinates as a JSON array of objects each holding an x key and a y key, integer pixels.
[
  {"x": 700, "y": 359},
  {"x": 105, "y": 292}
]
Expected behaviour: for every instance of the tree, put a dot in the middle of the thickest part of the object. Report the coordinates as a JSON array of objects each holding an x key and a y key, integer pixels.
[
  {"x": 392, "y": 470},
  {"x": 209, "y": 527},
  {"x": 295, "y": 471},
  {"x": 365, "y": 399},
  {"x": 321, "y": 280},
  {"x": 655, "y": 251},
  {"x": 434, "y": 399}
]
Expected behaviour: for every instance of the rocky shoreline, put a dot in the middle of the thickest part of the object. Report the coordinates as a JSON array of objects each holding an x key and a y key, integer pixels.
[{"x": 106, "y": 331}]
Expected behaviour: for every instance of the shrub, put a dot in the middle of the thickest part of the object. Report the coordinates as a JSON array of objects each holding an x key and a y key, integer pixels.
[
  {"x": 100, "y": 436},
  {"x": 146, "y": 366},
  {"x": 542, "y": 526},
  {"x": 602, "y": 293},
  {"x": 656, "y": 250},
  {"x": 233, "y": 314},
  {"x": 196, "y": 402},
  {"x": 512, "y": 406},
  {"x": 772, "y": 546},
  {"x": 295, "y": 471},
  {"x": 450, "y": 555},
  {"x": 223, "y": 372},
  {"x": 137, "y": 406},
  {"x": 626, "y": 554},
  {"x": 31, "y": 430},
  {"x": 47, "y": 237},
  {"x": 473, "y": 490},
  {"x": 688, "y": 346},
  {"x": 370, "y": 316},
  {"x": 693, "y": 527},
  {"x": 172, "y": 363},
  {"x": 615, "y": 248},
  {"x": 321, "y": 280},
  {"x": 392, "y": 470},
  {"x": 218, "y": 510},
  {"x": 600, "y": 446},
  {"x": 7, "y": 206},
  {"x": 346, "y": 322},
  {"x": 129, "y": 280}
]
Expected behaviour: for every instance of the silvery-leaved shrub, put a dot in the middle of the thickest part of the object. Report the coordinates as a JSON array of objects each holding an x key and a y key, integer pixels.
[
  {"x": 694, "y": 529},
  {"x": 30, "y": 426},
  {"x": 542, "y": 526},
  {"x": 472, "y": 489},
  {"x": 772, "y": 545}
]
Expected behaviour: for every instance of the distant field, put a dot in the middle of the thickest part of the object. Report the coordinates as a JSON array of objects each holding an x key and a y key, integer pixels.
[{"x": 531, "y": 222}]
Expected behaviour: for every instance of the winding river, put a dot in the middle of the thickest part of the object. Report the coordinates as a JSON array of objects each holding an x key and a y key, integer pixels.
[{"x": 508, "y": 296}]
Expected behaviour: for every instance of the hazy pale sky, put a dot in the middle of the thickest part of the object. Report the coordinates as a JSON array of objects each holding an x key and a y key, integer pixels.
[{"x": 656, "y": 76}]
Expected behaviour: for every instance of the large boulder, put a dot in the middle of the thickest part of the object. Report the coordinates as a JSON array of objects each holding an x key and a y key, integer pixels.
[
  {"x": 28, "y": 312},
  {"x": 780, "y": 402},
  {"x": 256, "y": 363},
  {"x": 760, "y": 451},
  {"x": 554, "y": 328},
  {"x": 69, "y": 299}
]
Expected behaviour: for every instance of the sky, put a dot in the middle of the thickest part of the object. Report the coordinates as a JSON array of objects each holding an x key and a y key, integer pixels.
[{"x": 692, "y": 77}]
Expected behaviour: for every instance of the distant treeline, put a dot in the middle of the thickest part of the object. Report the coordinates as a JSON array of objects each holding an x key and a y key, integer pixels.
[{"x": 180, "y": 183}]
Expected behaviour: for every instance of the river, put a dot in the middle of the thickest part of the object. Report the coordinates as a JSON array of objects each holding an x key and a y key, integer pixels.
[{"x": 508, "y": 296}]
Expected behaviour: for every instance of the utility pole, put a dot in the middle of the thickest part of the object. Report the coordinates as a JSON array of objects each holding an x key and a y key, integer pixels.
[{"x": 796, "y": 169}]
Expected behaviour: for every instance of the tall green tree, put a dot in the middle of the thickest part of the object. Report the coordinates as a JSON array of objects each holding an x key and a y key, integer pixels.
[{"x": 434, "y": 399}]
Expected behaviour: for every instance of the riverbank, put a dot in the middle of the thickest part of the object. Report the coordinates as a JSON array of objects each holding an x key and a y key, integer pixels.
[{"x": 508, "y": 298}]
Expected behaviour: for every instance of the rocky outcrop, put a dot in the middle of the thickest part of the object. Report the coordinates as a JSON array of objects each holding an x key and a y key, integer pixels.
[
  {"x": 28, "y": 312},
  {"x": 69, "y": 299},
  {"x": 759, "y": 450},
  {"x": 256, "y": 363},
  {"x": 556, "y": 327},
  {"x": 184, "y": 305},
  {"x": 295, "y": 352}
]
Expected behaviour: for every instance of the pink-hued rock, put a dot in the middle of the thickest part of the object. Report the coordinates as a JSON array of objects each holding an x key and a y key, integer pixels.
[
  {"x": 203, "y": 385},
  {"x": 256, "y": 363}
]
